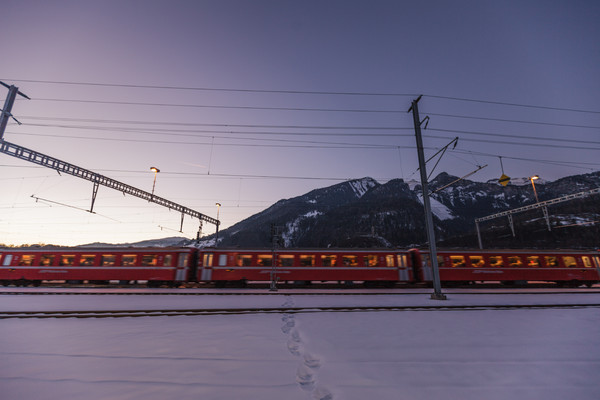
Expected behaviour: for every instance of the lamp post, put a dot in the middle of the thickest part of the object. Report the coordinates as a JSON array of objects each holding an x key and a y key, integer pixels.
[
  {"x": 217, "y": 234},
  {"x": 533, "y": 178},
  {"x": 156, "y": 171}
]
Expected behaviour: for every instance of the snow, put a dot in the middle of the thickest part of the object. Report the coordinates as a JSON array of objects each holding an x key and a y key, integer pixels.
[
  {"x": 526, "y": 181},
  {"x": 412, "y": 184},
  {"x": 468, "y": 354},
  {"x": 361, "y": 186},
  {"x": 292, "y": 227},
  {"x": 437, "y": 208}
]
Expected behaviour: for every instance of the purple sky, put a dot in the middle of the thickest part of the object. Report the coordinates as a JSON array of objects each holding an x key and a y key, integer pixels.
[{"x": 539, "y": 53}]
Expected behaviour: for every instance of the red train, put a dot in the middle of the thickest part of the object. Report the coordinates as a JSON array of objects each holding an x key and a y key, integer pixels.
[{"x": 174, "y": 266}]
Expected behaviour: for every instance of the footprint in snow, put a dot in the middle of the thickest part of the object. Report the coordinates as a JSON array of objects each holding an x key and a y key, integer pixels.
[{"x": 305, "y": 378}]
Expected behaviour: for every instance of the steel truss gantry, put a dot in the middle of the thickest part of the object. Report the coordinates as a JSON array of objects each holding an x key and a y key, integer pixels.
[
  {"x": 44, "y": 160},
  {"x": 542, "y": 204}
]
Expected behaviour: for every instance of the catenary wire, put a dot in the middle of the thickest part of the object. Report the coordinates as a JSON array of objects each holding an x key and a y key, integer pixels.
[{"x": 341, "y": 93}]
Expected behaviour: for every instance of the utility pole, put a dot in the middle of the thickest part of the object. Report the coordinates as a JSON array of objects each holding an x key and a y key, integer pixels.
[
  {"x": 437, "y": 287},
  {"x": 13, "y": 91},
  {"x": 275, "y": 235}
]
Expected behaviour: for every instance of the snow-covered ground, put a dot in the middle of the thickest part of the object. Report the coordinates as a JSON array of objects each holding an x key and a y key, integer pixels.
[{"x": 467, "y": 354}]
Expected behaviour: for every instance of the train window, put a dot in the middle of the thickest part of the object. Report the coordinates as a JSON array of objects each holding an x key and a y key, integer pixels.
[
  {"x": 244, "y": 260},
  {"x": 402, "y": 260},
  {"x": 46, "y": 259},
  {"x": 7, "y": 259},
  {"x": 514, "y": 261},
  {"x": 128, "y": 259},
  {"x": 207, "y": 259},
  {"x": 349, "y": 261},
  {"x": 496, "y": 261},
  {"x": 389, "y": 260},
  {"x": 370, "y": 260},
  {"x": 551, "y": 261},
  {"x": 183, "y": 260},
  {"x": 569, "y": 261},
  {"x": 108, "y": 259},
  {"x": 87, "y": 259},
  {"x": 328, "y": 260},
  {"x": 286, "y": 261},
  {"x": 441, "y": 261},
  {"x": 265, "y": 260},
  {"x": 222, "y": 260},
  {"x": 149, "y": 260},
  {"x": 477, "y": 261},
  {"x": 168, "y": 260},
  {"x": 457, "y": 261},
  {"x": 67, "y": 260},
  {"x": 307, "y": 261},
  {"x": 586, "y": 262},
  {"x": 533, "y": 261},
  {"x": 26, "y": 259}
]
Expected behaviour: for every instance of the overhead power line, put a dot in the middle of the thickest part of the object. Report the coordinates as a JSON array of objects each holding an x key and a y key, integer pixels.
[
  {"x": 220, "y": 106},
  {"x": 337, "y": 93},
  {"x": 193, "y": 133},
  {"x": 514, "y": 121},
  {"x": 511, "y": 104},
  {"x": 223, "y": 125},
  {"x": 514, "y": 136},
  {"x": 191, "y": 88}
]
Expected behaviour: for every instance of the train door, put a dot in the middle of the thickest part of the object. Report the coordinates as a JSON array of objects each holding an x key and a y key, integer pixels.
[
  {"x": 207, "y": 262},
  {"x": 597, "y": 264},
  {"x": 417, "y": 264},
  {"x": 402, "y": 261},
  {"x": 182, "y": 267}
]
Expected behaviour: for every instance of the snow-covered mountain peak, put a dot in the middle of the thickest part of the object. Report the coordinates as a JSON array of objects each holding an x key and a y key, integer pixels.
[{"x": 362, "y": 186}]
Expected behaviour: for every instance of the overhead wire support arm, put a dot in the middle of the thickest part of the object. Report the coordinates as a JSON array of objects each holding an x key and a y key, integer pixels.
[
  {"x": 479, "y": 167},
  {"x": 35, "y": 157}
]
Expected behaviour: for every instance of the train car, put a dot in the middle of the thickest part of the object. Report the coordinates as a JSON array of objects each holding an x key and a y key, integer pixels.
[
  {"x": 220, "y": 266},
  {"x": 564, "y": 267},
  {"x": 157, "y": 266}
]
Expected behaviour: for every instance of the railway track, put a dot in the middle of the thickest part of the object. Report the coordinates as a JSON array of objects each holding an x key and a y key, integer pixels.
[
  {"x": 276, "y": 310},
  {"x": 103, "y": 291}
]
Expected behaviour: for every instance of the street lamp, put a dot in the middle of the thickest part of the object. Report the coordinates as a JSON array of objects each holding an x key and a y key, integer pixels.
[
  {"x": 533, "y": 178},
  {"x": 217, "y": 234},
  {"x": 156, "y": 171}
]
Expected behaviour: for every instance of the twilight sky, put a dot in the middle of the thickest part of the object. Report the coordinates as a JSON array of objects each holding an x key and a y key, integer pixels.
[{"x": 248, "y": 102}]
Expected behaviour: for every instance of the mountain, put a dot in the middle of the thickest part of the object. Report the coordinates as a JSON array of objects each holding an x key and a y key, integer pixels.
[{"x": 365, "y": 213}]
